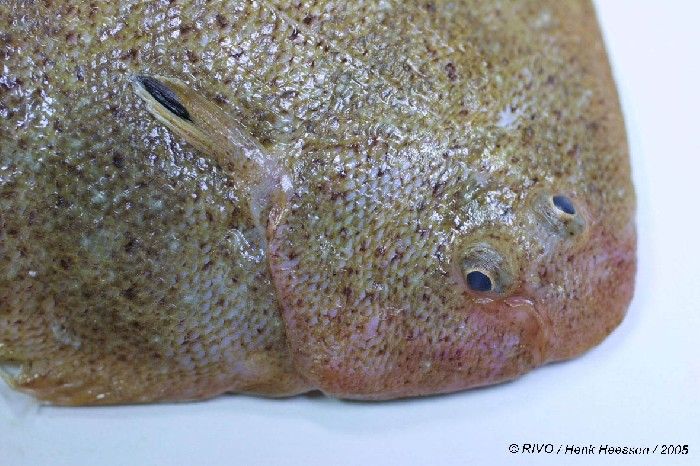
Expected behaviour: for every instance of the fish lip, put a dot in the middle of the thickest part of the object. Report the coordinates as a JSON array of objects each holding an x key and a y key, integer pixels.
[
  {"x": 518, "y": 301},
  {"x": 544, "y": 323}
]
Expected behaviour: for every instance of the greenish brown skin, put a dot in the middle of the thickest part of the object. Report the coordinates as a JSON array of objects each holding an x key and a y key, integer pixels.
[{"x": 396, "y": 147}]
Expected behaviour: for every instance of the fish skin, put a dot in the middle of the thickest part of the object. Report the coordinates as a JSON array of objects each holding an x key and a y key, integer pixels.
[{"x": 421, "y": 141}]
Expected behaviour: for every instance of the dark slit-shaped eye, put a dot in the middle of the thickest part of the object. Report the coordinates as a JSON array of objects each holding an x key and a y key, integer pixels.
[
  {"x": 165, "y": 96},
  {"x": 564, "y": 204},
  {"x": 479, "y": 281}
]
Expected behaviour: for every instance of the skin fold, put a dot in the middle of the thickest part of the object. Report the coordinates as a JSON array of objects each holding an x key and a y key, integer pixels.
[{"x": 374, "y": 199}]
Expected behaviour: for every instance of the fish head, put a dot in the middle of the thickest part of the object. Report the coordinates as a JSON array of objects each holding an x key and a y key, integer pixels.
[
  {"x": 400, "y": 282},
  {"x": 563, "y": 270}
]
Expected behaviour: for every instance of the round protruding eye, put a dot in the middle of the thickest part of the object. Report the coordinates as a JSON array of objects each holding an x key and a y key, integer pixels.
[
  {"x": 487, "y": 268},
  {"x": 560, "y": 214},
  {"x": 479, "y": 281},
  {"x": 564, "y": 204}
]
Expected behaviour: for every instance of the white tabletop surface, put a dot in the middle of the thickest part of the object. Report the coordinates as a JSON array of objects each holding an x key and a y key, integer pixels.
[{"x": 640, "y": 388}]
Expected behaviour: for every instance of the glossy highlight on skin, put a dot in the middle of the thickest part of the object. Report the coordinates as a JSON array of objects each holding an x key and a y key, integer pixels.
[{"x": 376, "y": 199}]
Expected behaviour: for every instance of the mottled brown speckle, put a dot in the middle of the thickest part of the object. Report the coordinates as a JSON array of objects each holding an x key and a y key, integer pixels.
[{"x": 409, "y": 139}]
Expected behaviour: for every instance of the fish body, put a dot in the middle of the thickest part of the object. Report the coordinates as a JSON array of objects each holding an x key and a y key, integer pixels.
[{"x": 374, "y": 199}]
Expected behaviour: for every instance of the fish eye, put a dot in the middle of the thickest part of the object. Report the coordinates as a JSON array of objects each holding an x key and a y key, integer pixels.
[
  {"x": 561, "y": 215},
  {"x": 486, "y": 268},
  {"x": 564, "y": 204},
  {"x": 479, "y": 281},
  {"x": 164, "y": 96}
]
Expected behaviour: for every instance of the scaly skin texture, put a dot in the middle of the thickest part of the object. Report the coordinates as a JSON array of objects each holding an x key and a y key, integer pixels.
[{"x": 418, "y": 142}]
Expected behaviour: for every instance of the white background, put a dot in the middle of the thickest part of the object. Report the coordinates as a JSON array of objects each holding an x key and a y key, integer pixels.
[{"x": 639, "y": 388}]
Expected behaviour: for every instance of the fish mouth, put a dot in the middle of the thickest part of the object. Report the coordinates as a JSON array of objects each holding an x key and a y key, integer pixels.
[
  {"x": 518, "y": 313},
  {"x": 536, "y": 330}
]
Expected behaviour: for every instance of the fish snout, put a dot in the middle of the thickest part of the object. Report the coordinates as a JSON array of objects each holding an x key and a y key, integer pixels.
[{"x": 583, "y": 278}]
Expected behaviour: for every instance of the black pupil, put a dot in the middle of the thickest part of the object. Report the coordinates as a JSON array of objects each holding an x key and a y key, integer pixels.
[
  {"x": 479, "y": 281},
  {"x": 564, "y": 204},
  {"x": 165, "y": 96}
]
